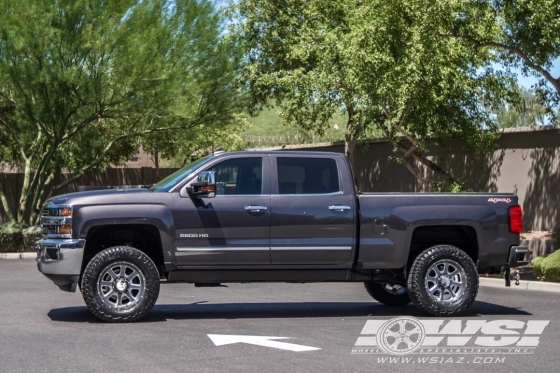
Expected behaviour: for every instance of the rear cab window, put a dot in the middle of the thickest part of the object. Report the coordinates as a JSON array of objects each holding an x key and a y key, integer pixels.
[{"x": 307, "y": 175}]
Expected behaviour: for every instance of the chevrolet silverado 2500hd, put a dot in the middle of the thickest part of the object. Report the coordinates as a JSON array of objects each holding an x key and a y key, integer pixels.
[{"x": 285, "y": 216}]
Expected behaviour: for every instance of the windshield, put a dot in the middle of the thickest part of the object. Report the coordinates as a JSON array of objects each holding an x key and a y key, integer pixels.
[{"x": 179, "y": 175}]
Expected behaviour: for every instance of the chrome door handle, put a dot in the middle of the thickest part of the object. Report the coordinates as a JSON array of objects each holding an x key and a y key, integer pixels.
[
  {"x": 255, "y": 208},
  {"x": 339, "y": 208}
]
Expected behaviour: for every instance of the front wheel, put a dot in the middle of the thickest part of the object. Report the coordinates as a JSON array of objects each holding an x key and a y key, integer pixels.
[
  {"x": 120, "y": 284},
  {"x": 443, "y": 281}
]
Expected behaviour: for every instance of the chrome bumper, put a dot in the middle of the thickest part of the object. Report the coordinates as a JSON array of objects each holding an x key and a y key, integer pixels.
[{"x": 61, "y": 261}]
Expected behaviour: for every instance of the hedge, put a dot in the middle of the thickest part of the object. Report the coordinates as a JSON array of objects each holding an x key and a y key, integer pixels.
[
  {"x": 547, "y": 267},
  {"x": 17, "y": 237}
]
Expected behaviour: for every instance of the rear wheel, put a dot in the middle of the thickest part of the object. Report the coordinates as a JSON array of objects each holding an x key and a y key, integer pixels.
[
  {"x": 120, "y": 284},
  {"x": 388, "y": 293},
  {"x": 443, "y": 281}
]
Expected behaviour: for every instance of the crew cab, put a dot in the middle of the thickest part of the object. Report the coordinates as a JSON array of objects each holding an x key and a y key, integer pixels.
[{"x": 275, "y": 216}]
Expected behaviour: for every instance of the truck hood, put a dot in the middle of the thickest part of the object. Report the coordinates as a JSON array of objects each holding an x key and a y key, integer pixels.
[{"x": 98, "y": 195}]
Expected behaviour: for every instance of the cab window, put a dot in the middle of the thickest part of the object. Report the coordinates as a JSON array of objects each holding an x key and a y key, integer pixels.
[
  {"x": 307, "y": 175},
  {"x": 238, "y": 176}
]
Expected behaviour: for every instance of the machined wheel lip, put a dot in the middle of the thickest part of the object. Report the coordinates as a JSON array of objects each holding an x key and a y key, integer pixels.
[
  {"x": 445, "y": 281},
  {"x": 393, "y": 288},
  {"x": 121, "y": 285}
]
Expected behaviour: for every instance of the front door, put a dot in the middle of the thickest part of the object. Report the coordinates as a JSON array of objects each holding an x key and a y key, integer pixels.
[
  {"x": 232, "y": 228},
  {"x": 313, "y": 212}
]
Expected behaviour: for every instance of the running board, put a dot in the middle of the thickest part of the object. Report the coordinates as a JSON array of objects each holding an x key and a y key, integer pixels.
[{"x": 212, "y": 277}]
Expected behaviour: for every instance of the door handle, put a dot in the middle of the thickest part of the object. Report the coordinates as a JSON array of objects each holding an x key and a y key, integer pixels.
[
  {"x": 255, "y": 208},
  {"x": 339, "y": 208}
]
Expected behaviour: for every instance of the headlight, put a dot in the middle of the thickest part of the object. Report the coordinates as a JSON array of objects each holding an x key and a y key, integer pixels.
[
  {"x": 57, "y": 221},
  {"x": 65, "y": 211}
]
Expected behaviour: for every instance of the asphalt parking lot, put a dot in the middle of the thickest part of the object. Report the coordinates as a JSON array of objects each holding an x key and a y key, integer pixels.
[{"x": 43, "y": 329}]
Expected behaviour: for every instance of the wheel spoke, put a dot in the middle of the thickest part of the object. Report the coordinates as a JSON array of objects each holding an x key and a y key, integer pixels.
[
  {"x": 119, "y": 299},
  {"x": 390, "y": 333},
  {"x": 431, "y": 278},
  {"x": 129, "y": 295},
  {"x": 402, "y": 326},
  {"x": 133, "y": 274},
  {"x": 112, "y": 273},
  {"x": 396, "y": 343},
  {"x": 408, "y": 342},
  {"x": 416, "y": 330}
]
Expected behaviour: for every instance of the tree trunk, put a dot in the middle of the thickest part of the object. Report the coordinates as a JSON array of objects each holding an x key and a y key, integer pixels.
[
  {"x": 350, "y": 141},
  {"x": 7, "y": 208},
  {"x": 156, "y": 162},
  {"x": 410, "y": 153}
]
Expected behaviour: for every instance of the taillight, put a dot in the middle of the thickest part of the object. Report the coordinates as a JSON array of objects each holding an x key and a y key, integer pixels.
[{"x": 515, "y": 219}]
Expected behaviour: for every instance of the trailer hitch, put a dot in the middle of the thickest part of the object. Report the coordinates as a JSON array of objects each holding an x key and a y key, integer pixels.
[{"x": 508, "y": 276}]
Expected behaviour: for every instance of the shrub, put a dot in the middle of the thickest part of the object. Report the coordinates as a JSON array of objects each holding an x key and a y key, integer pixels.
[
  {"x": 537, "y": 266},
  {"x": 547, "y": 267},
  {"x": 11, "y": 237},
  {"x": 30, "y": 236},
  {"x": 551, "y": 267}
]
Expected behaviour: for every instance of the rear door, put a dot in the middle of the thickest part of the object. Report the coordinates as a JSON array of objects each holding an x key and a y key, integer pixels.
[
  {"x": 233, "y": 227},
  {"x": 312, "y": 211}
]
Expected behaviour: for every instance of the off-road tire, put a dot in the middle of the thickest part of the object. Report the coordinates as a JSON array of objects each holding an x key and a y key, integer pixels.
[
  {"x": 380, "y": 294},
  {"x": 144, "y": 278},
  {"x": 422, "y": 278}
]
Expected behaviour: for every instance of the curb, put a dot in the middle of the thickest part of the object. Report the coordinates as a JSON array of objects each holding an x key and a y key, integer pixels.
[
  {"x": 7, "y": 256},
  {"x": 551, "y": 287}
]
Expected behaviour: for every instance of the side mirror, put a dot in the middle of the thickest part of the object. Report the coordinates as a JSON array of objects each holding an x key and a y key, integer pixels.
[{"x": 205, "y": 186}]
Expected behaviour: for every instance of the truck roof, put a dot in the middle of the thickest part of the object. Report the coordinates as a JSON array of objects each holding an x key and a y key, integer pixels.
[{"x": 280, "y": 152}]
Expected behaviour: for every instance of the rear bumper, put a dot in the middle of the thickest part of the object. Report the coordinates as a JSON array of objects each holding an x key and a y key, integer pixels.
[
  {"x": 60, "y": 260},
  {"x": 517, "y": 256}
]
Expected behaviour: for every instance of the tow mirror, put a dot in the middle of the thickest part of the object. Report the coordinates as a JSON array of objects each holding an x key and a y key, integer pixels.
[{"x": 205, "y": 186}]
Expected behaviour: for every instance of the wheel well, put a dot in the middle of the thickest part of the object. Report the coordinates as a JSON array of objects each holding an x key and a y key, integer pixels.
[
  {"x": 143, "y": 237},
  {"x": 461, "y": 236}
]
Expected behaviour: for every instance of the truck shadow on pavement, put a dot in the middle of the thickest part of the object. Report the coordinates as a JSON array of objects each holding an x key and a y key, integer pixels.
[{"x": 202, "y": 310}]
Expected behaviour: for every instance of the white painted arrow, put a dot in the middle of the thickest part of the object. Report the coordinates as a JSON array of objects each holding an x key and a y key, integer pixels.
[{"x": 220, "y": 340}]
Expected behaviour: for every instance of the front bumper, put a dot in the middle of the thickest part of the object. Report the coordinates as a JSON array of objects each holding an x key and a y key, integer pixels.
[{"x": 61, "y": 261}]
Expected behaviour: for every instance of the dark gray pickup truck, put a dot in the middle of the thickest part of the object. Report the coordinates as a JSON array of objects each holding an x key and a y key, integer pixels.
[{"x": 285, "y": 216}]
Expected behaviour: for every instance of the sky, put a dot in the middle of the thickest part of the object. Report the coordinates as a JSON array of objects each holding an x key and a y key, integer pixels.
[{"x": 529, "y": 81}]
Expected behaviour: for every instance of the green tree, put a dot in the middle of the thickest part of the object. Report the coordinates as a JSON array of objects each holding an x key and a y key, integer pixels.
[
  {"x": 81, "y": 82},
  {"x": 384, "y": 63},
  {"x": 174, "y": 148},
  {"x": 530, "y": 112},
  {"x": 524, "y": 33}
]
